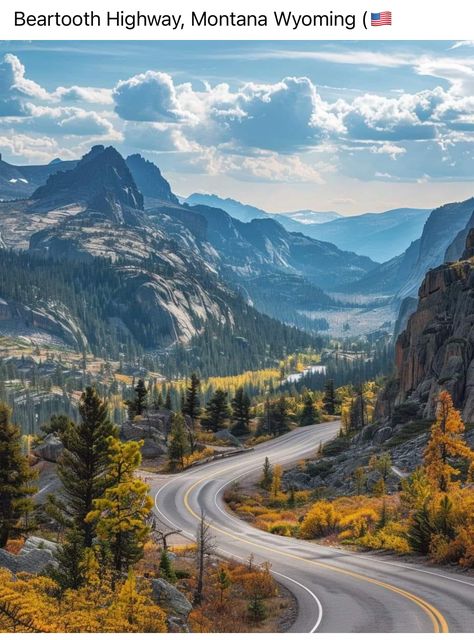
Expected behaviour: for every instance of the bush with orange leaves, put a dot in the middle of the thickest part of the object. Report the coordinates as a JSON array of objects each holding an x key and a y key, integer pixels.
[{"x": 225, "y": 605}]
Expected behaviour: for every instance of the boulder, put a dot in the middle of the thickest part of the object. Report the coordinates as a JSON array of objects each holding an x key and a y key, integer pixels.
[
  {"x": 170, "y": 598},
  {"x": 36, "y": 556},
  {"x": 382, "y": 434},
  {"x": 50, "y": 449},
  {"x": 226, "y": 436}
]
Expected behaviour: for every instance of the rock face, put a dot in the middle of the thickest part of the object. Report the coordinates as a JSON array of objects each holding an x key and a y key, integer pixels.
[
  {"x": 149, "y": 180},
  {"x": 36, "y": 556},
  {"x": 403, "y": 275},
  {"x": 153, "y": 429},
  {"x": 169, "y": 597},
  {"x": 436, "y": 351},
  {"x": 101, "y": 172},
  {"x": 50, "y": 450}
]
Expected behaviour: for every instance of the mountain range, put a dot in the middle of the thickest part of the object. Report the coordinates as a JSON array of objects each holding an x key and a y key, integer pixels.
[
  {"x": 186, "y": 264},
  {"x": 381, "y": 236},
  {"x": 246, "y": 212}
]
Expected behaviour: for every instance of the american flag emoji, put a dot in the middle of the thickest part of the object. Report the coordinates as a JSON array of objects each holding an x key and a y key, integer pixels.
[{"x": 381, "y": 19}]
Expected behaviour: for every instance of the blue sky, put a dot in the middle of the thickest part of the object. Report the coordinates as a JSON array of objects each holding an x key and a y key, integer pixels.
[{"x": 346, "y": 126}]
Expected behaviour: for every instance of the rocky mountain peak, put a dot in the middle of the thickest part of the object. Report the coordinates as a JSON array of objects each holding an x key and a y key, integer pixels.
[
  {"x": 149, "y": 179},
  {"x": 101, "y": 175}
]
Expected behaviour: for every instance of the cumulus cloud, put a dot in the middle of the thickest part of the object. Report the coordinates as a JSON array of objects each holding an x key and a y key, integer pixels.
[
  {"x": 92, "y": 95},
  {"x": 66, "y": 121},
  {"x": 15, "y": 88},
  {"x": 32, "y": 148},
  {"x": 148, "y": 97}
]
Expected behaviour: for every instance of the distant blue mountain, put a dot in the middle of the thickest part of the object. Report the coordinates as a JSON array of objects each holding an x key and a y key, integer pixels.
[{"x": 381, "y": 236}]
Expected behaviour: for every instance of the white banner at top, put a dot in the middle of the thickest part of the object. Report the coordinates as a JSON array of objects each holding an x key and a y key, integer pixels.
[{"x": 237, "y": 20}]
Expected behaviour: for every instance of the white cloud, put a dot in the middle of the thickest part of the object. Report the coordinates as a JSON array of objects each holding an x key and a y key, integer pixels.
[
  {"x": 92, "y": 95},
  {"x": 15, "y": 88},
  {"x": 32, "y": 148},
  {"x": 66, "y": 121},
  {"x": 148, "y": 97}
]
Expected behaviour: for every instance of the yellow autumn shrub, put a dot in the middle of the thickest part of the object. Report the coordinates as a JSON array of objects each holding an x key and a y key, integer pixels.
[{"x": 321, "y": 520}]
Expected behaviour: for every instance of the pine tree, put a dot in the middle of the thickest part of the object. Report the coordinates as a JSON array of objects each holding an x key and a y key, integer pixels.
[
  {"x": 257, "y": 610},
  {"x": 240, "y": 413},
  {"x": 178, "y": 446},
  {"x": 192, "y": 407},
  {"x": 329, "y": 398},
  {"x": 168, "y": 403},
  {"x": 121, "y": 514},
  {"x": 138, "y": 404},
  {"x": 166, "y": 567},
  {"x": 68, "y": 572},
  {"x": 57, "y": 425},
  {"x": 421, "y": 529},
  {"x": 15, "y": 478},
  {"x": 308, "y": 414},
  {"x": 217, "y": 411},
  {"x": 192, "y": 401},
  {"x": 84, "y": 463},
  {"x": 223, "y": 583},
  {"x": 267, "y": 475},
  {"x": 279, "y": 417},
  {"x": 446, "y": 442}
]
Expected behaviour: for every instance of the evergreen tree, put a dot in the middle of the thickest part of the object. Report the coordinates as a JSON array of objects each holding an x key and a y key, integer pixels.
[
  {"x": 84, "y": 463},
  {"x": 166, "y": 567},
  {"x": 240, "y": 413},
  {"x": 138, "y": 404},
  {"x": 178, "y": 446},
  {"x": 279, "y": 417},
  {"x": 57, "y": 425},
  {"x": 217, "y": 411},
  {"x": 308, "y": 414},
  {"x": 168, "y": 403},
  {"x": 267, "y": 475},
  {"x": 68, "y": 572},
  {"x": 223, "y": 583},
  {"x": 329, "y": 398},
  {"x": 192, "y": 403},
  {"x": 256, "y": 608},
  {"x": 421, "y": 529},
  {"x": 192, "y": 407},
  {"x": 121, "y": 514},
  {"x": 15, "y": 478}
]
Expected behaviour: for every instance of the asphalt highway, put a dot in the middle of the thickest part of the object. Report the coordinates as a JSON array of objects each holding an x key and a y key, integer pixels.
[{"x": 336, "y": 590}]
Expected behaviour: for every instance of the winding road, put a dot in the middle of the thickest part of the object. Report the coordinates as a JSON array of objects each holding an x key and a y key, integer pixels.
[{"x": 336, "y": 590}]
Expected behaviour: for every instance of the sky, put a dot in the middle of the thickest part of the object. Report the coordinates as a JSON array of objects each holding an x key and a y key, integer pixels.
[{"x": 329, "y": 126}]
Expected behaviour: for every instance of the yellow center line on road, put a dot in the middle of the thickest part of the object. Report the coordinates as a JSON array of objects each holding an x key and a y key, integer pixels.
[{"x": 437, "y": 619}]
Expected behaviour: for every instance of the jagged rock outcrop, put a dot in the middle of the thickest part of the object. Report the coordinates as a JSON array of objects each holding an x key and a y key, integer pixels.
[
  {"x": 101, "y": 173},
  {"x": 149, "y": 179},
  {"x": 436, "y": 351}
]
